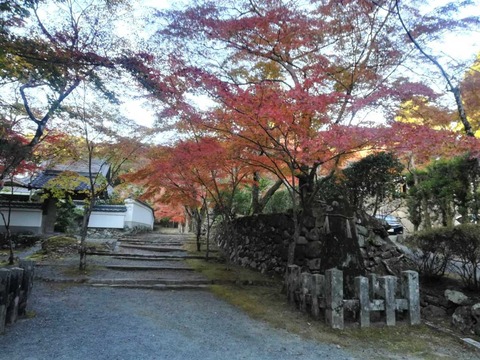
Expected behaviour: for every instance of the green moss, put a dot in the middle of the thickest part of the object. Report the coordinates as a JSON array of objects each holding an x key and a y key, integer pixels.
[{"x": 60, "y": 242}]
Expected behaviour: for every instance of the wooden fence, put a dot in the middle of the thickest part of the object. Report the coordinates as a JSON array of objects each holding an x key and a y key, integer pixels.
[
  {"x": 15, "y": 287},
  {"x": 316, "y": 292}
]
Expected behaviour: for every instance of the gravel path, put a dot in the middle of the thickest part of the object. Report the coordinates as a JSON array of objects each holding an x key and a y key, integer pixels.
[{"x": 81, "y": 322}]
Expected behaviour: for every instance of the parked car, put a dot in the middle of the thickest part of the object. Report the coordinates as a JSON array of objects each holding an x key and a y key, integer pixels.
[{"x": 391, "y": 223}]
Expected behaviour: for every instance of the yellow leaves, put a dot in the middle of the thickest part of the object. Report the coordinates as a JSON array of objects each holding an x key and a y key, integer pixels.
[
  {"x": 268, "y": 70},
  {"x": 261, "y": 70},
  {"x": 419, "y": 111},
  {"x": 65, "y": 184}
]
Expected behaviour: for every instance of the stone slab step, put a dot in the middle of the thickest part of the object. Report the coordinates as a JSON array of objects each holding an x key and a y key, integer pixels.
[
  {"x": 155, "y": 287},
  {"x": 152, "y": 248},
  {"x": 147, "y": 268},
  {"x": 159, "y": 241},
  {"x": 158, "y": 281},
  {"x": 149, "y": 256}
]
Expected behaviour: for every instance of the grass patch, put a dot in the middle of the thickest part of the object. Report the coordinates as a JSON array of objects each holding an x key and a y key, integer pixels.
[
  {"x": 219, "y": 272},
  {"x": 191, "y": 247},
  {"x": 269, "y": 304}
]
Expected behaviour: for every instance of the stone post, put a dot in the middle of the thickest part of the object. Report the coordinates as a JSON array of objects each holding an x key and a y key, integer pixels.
[
  {"x": 4, "y": 289},
  {"x": 318, "y": 289},
  {"x": 387, "y": 291},
  {"x": 334, "y": 298},
  {"x": 373, "y": 282},
  {"x": 362, "y": 293},
  {"x": 306, "y": 279},
  {"x": 28, "y": 267},
  {"x": 411, "y": 292},
  {"x": 16, "y": 278},
  {"x": 293, "y": 275}
]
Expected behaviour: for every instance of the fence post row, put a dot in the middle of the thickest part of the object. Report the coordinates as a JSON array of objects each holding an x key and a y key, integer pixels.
[{"x": 373, "y": 293}]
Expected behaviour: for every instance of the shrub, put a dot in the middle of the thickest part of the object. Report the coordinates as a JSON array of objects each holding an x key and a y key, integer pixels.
[
  {"x": 465, "y": 245},
  {"x": 436, "y": 252},
  {"x": 453, "y": 248}
]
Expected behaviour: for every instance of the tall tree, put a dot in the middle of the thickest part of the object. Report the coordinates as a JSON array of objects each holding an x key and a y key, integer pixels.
[
  {"x": 49, "y": 48},
  {"x": 425, "y": 28},
  {"x": 293, "y": 82}
]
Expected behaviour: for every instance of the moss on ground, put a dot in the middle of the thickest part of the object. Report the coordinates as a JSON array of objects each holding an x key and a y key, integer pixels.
[{"x": 59, "y": 243}]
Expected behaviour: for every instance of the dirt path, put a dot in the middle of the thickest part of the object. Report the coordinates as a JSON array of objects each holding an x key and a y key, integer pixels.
[{"x": 114, "y": 311}]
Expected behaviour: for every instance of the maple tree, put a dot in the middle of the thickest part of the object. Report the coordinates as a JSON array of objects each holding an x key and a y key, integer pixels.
[
  {"x": 200, "y": 174},
  {"x": 49, "y": 49},
  {"x": 293, "y": 83}
]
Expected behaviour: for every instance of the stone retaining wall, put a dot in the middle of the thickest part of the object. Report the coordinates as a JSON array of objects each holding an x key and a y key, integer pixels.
[
  {"x": 15, "y": 288},
  {"x": 261, "y": 242}
]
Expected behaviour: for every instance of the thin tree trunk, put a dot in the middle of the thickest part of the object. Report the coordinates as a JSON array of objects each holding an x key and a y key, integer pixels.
[
  {"x": 83, "y": 243},
  {"x": 207, "y": 254},
  {"x": 256, "y": 208}
]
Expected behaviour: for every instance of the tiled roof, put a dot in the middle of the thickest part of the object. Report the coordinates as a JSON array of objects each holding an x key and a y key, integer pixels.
[
  {"x": 20, "y": 205},
  {"x": 79, "y": 167},
  {"x": 110, "y": 208}
]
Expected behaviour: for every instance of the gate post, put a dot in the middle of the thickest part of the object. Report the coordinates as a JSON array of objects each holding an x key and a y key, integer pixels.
[
  {"x": 411, "y": 292},
  {"x": 334, "y": 298}
]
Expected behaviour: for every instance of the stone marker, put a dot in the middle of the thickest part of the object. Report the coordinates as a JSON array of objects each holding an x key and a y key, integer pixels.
[
  {"x": 411, "y": 292},
  {"x": 387, "y": 288},
  {"x": 334, "y": 298},
  {"x": 362, "y": 293},
  {"x": 318, "y": 290}
]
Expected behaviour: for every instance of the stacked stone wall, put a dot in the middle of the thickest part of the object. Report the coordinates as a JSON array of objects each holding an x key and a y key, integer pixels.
[
  {"x": 261, "y": 242},
  {"x": 15, "y": 288}
]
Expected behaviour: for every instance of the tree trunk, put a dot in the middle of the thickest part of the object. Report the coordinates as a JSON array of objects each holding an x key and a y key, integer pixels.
[
  {"x": 11, "y": 256},
  {"x": 207, "y": 253},
  {"x": 256, "y": 208},
  {"x": 198, "y": 228},
  {"x": 259, "y": 202},
  {"x": 83, "y": 246}
]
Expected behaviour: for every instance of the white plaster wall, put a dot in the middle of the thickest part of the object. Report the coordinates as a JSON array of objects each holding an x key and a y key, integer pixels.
[
  {"x": 23, "y": 220},
  {"x": 24, "y": 217},
  {"x": 138, "y": 214},
  {"x": 111, "y": 220}
]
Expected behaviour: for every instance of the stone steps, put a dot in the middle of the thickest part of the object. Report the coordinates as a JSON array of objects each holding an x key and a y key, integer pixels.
[
  {"x": 147, "y": 257},
  {"x": 152, "y": 248},
  {"x": 161, "y": 287},
  {"x": 146, "y": 268}
]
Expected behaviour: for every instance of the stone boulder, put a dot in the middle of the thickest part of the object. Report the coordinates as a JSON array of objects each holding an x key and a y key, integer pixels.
[
  {"x": 456, "y": 297},
  {"x": 463, "y": 320}
]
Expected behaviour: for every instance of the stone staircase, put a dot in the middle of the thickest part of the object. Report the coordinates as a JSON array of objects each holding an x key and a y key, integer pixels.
[{"x": 152, "y": 260}]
